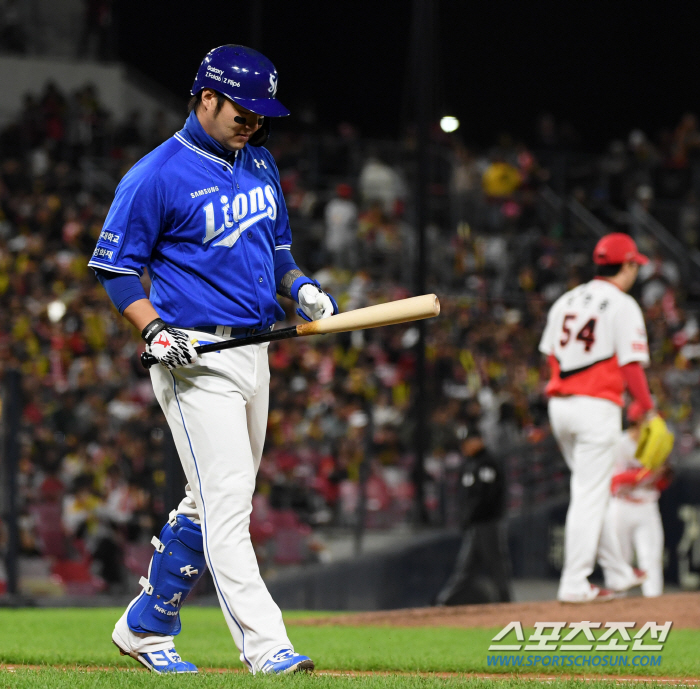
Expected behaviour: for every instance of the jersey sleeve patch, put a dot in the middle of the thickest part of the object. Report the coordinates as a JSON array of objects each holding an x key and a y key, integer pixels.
[
  {"x": 104, "y": 254},
  {"x": 110, "y": 238}
]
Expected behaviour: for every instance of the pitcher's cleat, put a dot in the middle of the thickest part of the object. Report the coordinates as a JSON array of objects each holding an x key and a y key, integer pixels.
[
  {"x": 161, "y": 662},
  {"x": 594, "y": 595},
  {"x": 640, "y": 576},
  {"x": 286, "y": 661}
]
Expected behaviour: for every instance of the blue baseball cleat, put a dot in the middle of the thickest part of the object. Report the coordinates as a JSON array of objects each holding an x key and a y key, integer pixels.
[
  {"x": 162, "y": 662},
  {"x": 286, "y": 661}
]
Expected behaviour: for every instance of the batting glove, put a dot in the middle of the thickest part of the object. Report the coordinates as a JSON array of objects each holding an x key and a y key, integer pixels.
[
  {"x": 170, "y": 346},
  {"x": 314, "y": 303}
]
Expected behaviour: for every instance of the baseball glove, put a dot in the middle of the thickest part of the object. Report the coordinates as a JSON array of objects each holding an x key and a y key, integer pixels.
[{"x": 655, "y": 443}]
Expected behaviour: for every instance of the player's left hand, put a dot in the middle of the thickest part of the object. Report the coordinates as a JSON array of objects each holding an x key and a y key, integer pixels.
[{"x": 315, "y": 304}]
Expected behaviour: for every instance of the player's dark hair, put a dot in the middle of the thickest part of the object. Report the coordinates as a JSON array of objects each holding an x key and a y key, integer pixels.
[
  {"x": 197, "y": 99},
  {"x": 609, "y": 270}
]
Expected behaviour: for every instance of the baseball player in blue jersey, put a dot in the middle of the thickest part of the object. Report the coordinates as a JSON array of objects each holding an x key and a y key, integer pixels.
[{"x": 204, "y": 212}]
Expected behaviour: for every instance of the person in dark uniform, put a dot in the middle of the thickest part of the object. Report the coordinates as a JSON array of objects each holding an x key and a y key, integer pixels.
[{"x": 482, "y": 570}]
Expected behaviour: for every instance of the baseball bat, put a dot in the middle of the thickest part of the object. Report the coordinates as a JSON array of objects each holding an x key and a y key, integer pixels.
[{"x": 400, "y": 311}]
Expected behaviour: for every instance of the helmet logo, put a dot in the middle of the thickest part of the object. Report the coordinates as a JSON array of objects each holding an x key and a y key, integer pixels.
[{"x": 273, "y": 85}]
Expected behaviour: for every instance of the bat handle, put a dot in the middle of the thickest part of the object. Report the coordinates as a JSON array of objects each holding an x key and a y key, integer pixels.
[{"x": 148, "y": 360}]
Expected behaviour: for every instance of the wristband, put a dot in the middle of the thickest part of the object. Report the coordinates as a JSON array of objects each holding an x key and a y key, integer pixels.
[{"x": 152, "y": 329}]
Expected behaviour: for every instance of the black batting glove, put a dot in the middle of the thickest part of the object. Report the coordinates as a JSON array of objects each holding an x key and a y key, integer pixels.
[{"x": 170, "y": 346}]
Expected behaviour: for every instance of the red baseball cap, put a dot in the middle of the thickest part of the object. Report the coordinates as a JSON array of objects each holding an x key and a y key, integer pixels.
[{"x": 617, "y": 247}]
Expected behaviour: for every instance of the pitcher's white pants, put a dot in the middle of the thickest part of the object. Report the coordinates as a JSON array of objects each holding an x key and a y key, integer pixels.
[
  {"x": 587, "y": 430},
  {"x": 217, "y": 412},
  {"x": 637, "y": 528}
]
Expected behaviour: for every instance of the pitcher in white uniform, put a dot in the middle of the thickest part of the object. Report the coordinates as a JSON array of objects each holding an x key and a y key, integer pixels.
[{"x": 596, "y": 344}]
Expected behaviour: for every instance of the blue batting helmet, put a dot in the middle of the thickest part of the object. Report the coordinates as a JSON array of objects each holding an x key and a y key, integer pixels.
[{"x": 244, "y": 76}]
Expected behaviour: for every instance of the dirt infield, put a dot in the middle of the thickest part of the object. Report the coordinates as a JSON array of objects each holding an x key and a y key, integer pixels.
[{"x": 682, "y": 608}]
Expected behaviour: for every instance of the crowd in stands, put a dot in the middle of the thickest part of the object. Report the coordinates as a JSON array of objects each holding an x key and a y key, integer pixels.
[
  {"x": 23, "y": 30},
  {"x": 93, "y": 474}
]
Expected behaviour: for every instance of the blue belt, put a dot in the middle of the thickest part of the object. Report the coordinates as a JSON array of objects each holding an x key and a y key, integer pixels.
[{"x": 229, "y": 332}]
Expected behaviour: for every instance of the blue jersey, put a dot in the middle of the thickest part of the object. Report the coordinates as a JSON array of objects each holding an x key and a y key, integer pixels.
[{"x": 207, "y": 224}]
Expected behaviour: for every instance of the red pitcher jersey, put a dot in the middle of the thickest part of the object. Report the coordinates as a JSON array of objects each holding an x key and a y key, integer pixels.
[{"x": 591, "y": 332}]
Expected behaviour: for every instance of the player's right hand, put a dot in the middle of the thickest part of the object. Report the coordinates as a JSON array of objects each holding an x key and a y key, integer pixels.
[
  {"x": 170, "y": 346},
  {"x": 314, "y": 303}
]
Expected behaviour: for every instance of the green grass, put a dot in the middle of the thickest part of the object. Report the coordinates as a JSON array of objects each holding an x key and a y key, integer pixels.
[
  {"x": 82, "y": 637},
  {"x": 50, "y": 678}
]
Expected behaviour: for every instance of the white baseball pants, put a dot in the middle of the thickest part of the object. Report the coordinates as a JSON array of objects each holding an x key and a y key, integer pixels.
[
  {"x": 636, "y": 527},
  {"x": 587, "y": 430},
  {"x": 217, "y": 412}
]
